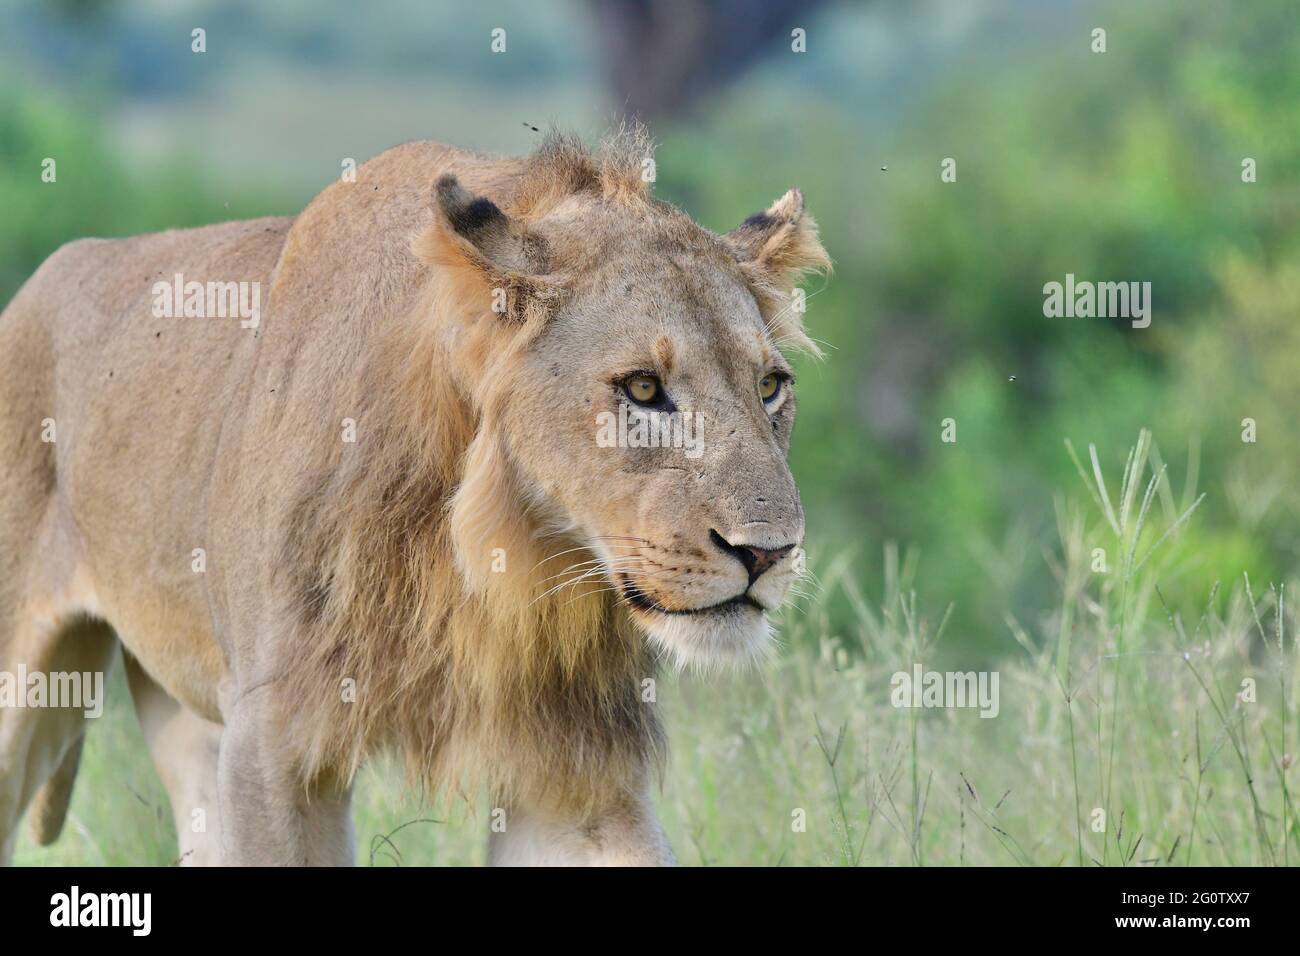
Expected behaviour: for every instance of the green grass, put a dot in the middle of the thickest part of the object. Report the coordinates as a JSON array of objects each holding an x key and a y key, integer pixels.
[{"x": 1110, "y": 703}]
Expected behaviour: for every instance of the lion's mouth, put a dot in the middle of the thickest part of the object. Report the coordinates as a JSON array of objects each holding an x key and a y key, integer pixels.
[{"x": 635, "y": 597}]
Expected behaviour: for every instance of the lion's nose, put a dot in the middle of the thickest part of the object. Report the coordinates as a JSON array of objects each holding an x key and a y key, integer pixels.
[{"x": 755, "y": 560}]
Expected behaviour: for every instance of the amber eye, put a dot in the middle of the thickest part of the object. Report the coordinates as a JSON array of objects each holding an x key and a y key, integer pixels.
[
  {"x": 769, "y": 387},
  {"x": 643, "y": 389}
]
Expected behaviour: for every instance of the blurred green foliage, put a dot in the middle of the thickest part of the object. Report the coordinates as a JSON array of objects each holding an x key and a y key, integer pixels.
[
  {"x": 95, "y": 192},
  {"x": 1117, "y": 166}
]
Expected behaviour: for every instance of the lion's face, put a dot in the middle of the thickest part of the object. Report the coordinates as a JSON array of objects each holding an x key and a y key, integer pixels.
[
  {"x": 699, "y": 538},
  {"x": 649, "y": 419}
]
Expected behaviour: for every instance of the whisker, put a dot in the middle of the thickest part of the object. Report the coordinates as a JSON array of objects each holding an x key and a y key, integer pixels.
[
  {"x": 560, "y": 554},
  {"x": 594, "y": 572},
  {"x": 593, "y": 558}
]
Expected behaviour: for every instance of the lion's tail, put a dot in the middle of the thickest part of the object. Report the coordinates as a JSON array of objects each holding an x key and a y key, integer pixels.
[{"x": 50, "y": 807}]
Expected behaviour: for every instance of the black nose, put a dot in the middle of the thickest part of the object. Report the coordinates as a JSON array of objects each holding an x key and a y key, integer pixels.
[{"x": 755, "y": 560}]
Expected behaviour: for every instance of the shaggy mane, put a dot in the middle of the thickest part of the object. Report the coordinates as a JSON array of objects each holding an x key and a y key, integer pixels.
[
  {"x": 563, "y": 166},
  {"x": 387, "y": 556}
]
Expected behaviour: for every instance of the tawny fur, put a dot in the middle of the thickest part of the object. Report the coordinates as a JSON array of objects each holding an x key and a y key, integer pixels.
[{"x": 374, "y": 564}]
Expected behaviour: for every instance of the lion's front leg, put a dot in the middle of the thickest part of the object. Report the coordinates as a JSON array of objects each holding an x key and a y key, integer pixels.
[
  {"x": 270, "y": 816},
  {"x": 622, "y": 831}
]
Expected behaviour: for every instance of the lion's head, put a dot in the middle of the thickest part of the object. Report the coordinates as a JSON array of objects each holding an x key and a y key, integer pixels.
[{"x": 603, "y": 326}]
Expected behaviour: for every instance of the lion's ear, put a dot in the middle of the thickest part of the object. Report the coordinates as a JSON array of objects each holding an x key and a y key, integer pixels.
[
  {"x": 775, "y": 248},
  {"x": 499, "y": 258},
  {"x": 781, "y": 241}
]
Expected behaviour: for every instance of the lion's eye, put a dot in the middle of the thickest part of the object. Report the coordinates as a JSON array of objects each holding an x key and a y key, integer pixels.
[
  {"x": 769, "y": 387},
  {"x": 643, "y": 389}
]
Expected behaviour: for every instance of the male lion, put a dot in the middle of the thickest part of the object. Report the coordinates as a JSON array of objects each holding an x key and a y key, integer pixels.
[{"x": 377, "y": 516}]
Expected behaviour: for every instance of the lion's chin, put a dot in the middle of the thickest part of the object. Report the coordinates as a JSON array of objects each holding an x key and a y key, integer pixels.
[{"x": 726, "y": 638}]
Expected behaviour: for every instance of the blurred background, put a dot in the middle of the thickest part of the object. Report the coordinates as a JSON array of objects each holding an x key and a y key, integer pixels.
[{"x": 1123, "y": 165}]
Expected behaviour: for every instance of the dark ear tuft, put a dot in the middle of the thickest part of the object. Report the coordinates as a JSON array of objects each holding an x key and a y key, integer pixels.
[
  {"x": 481, "y": 223},
  {"x": 466, "y": 213},
  {"x": 782, "y": 239},
  {"x": 502, "y": 263}
]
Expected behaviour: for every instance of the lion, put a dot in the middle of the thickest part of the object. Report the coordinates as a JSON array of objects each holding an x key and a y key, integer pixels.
[{"x": 372, "y": 514}]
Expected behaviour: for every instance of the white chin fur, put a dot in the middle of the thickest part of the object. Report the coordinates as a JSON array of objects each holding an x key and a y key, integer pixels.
[{"x": 709, "y": 642}]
